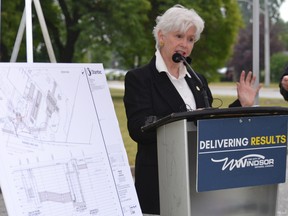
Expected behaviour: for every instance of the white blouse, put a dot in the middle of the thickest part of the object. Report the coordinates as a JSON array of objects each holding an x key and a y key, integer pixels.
[{"x": 179, "y": 83}]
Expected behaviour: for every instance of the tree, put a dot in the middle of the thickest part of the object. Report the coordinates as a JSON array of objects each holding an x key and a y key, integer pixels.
[
  {"x": 222, "y": 23},
  {"x": 81, "y": 26},
  {"x": 283, "y": 36},
  {"x": 9, "y": 27},
  {"x": 119, "y": 33},
  {"x": 99, "y": 28},
  {"x": 246, "y": 7},
  {"x": 278, "y": 63},
  {"x": 243, "y": 54}
]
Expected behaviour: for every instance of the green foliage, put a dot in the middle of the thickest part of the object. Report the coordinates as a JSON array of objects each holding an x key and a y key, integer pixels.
[
  {"x": 278, "y": 62},
  {"x": 246, "y": 7},
  {"x": 222, "y": 24},
  {"x": 119, "y": 33},
  {"x": 82, "y": 30},
  {"x": 284, "y": 34},
  {"x": 11, "y": 14},
  {"x": 242, "y": 58},
  {"x": 133, "y": 38}
]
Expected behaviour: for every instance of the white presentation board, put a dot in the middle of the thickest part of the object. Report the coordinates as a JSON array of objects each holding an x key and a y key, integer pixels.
[{"x": 61, "y": 150}]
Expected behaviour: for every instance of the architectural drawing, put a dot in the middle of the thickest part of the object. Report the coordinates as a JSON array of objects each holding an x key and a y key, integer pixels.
[{"x": 61, "y": 150}]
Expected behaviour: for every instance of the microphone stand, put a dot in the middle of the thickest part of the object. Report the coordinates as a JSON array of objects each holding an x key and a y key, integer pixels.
[{"x": 177, "y": 57}]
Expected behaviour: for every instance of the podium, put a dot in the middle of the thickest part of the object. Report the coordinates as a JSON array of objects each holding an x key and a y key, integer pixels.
[{"x": 178, "y": 162}]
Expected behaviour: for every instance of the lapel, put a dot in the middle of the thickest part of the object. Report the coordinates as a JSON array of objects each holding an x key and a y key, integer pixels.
[
  {"x": 195, "y": 88},
  {"x": 164, "y": 87},
  {"x": 168, "y": 92}
]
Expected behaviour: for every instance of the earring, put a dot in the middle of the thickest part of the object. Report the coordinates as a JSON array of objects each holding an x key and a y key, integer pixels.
[{"x": 161, "y": 44}]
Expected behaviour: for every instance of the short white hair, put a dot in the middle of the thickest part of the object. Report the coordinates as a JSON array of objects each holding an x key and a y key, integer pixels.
[{"x": 178, "y": 18}]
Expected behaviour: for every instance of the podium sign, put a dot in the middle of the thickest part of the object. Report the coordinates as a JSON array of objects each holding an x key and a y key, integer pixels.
[{"x": 241, "y": 152}]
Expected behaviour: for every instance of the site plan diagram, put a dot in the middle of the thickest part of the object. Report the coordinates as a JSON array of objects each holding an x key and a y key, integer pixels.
[{"x": 61, "y": 150}]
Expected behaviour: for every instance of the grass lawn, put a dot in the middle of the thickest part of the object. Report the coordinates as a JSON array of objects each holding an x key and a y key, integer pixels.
[{"x": 130, "y": 145}]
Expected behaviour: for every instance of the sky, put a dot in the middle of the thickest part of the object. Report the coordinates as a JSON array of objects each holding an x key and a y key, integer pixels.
[{"x": 284, "y": 11}]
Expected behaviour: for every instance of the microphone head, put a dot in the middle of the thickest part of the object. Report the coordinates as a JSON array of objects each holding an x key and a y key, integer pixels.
[{"x": 177, "y": 57}]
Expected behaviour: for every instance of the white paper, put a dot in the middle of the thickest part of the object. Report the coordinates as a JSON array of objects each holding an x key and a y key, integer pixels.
[{"x": 61, "y": 150}]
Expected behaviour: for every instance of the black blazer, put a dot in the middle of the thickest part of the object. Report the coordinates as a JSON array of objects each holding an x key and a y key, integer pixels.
[{"x": 150, "y": 93}]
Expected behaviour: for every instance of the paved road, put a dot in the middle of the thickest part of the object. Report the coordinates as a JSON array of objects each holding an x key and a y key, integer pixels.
[
  {"x": 219, "y": 90},
  {"x": 231, "y": 91}
]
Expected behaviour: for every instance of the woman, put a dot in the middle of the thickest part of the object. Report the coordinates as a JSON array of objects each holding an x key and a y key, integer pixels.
[{"x": 163, "y": 87}]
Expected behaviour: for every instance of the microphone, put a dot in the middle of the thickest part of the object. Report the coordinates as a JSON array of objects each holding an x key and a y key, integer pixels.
[{"x": 177, "y": 57}]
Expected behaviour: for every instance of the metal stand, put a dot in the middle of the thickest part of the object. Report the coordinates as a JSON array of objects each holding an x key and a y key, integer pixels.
[{"x": 27, "y": 19}]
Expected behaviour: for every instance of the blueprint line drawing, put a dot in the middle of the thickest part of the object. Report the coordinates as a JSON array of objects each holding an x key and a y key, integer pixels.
[{"x": 61, "y": 150}]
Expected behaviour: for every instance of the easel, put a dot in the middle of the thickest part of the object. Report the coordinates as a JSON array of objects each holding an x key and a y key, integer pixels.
[{"x": 27, "y": 18}]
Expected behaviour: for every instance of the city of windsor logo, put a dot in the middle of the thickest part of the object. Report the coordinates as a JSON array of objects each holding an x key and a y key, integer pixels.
[{"x": 250, "y": 160}]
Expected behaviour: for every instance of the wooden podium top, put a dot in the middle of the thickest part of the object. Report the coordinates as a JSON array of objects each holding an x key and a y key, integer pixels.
[{"x": 206, "y": 113}]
